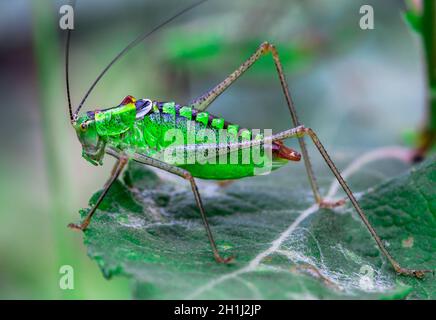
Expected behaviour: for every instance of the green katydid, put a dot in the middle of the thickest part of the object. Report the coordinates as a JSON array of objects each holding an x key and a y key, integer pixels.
[{"x": 114, "y": 131}]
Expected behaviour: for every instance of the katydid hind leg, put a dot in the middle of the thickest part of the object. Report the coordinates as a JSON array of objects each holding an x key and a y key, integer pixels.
[
  {"x": 398, "y": 268},
  {"x": 186, "y": 175},
  {"x": 301, "y": 130},
  {"x": 117, "y": 169}
]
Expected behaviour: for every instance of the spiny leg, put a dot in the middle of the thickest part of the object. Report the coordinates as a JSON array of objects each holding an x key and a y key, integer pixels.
[
  {"x": 307, "y": 131},
  {"x": 202, "y": 103},
  {"x": 118, "y": 167},
  {"x": 398, "y": 268},
  {"x": 186, "y": 175},
  {"x": 296, "y": 133}
]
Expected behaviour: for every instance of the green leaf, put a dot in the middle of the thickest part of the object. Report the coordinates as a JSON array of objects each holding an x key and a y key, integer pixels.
[{"x": 148, "y": 229}]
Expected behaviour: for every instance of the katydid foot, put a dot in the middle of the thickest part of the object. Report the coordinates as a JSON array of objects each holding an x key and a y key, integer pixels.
[
  {"x": 80, "y": 227},
  {"x": 412, "y": 272},
  {"x": 330, "y": 204},
  {"x": 219, "y": 259}
]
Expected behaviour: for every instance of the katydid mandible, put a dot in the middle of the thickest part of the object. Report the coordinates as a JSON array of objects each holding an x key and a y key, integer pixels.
[{"x": 113, "y": 131}]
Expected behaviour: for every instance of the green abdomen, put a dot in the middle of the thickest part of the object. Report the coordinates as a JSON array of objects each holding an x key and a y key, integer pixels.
[{"x": 230, "y": 171}]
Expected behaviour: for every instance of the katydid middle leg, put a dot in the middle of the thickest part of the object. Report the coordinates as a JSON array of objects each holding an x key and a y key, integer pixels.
[
  {"x": 186, "y": 175},
  {"x": 203, "y": 102}
]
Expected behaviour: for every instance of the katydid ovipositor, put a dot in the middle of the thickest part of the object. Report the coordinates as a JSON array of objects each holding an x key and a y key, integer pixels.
[{"x": 114, "y": 131}]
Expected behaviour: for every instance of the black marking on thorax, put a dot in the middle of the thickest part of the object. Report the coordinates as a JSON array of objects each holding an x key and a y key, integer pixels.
[{"x": 195, "y": 113}]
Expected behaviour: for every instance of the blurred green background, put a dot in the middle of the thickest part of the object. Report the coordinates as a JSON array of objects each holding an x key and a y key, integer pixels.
[{"x": 358, "y": 88}]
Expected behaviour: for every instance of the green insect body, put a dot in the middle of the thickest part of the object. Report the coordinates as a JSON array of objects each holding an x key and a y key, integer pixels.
[{"x": 133, "y": 128}]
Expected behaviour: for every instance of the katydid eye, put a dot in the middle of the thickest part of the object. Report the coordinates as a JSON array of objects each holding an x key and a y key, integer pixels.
[{"x": 84, "y": 126}]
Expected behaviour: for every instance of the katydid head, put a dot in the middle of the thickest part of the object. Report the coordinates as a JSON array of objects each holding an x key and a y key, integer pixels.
[
  {"x": 94, "y": 128},
  {"x": 92, "y": 143}
]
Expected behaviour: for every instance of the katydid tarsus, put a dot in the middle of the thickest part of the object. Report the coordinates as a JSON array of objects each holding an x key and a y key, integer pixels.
[{"x": 114, "y": 131}]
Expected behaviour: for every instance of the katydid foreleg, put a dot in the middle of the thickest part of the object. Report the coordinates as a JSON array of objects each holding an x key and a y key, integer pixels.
[{"x": 118, "y": 167}]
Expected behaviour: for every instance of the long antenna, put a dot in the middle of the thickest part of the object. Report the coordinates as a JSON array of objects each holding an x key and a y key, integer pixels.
[
  {"x": 67, "y": 66},
  {"x": 132, "y": 45},
  {"x": 67, "y": 76}
]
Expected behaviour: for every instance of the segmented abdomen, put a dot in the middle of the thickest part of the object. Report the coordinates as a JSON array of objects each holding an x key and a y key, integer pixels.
[{"x": 167, "y": 120}]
